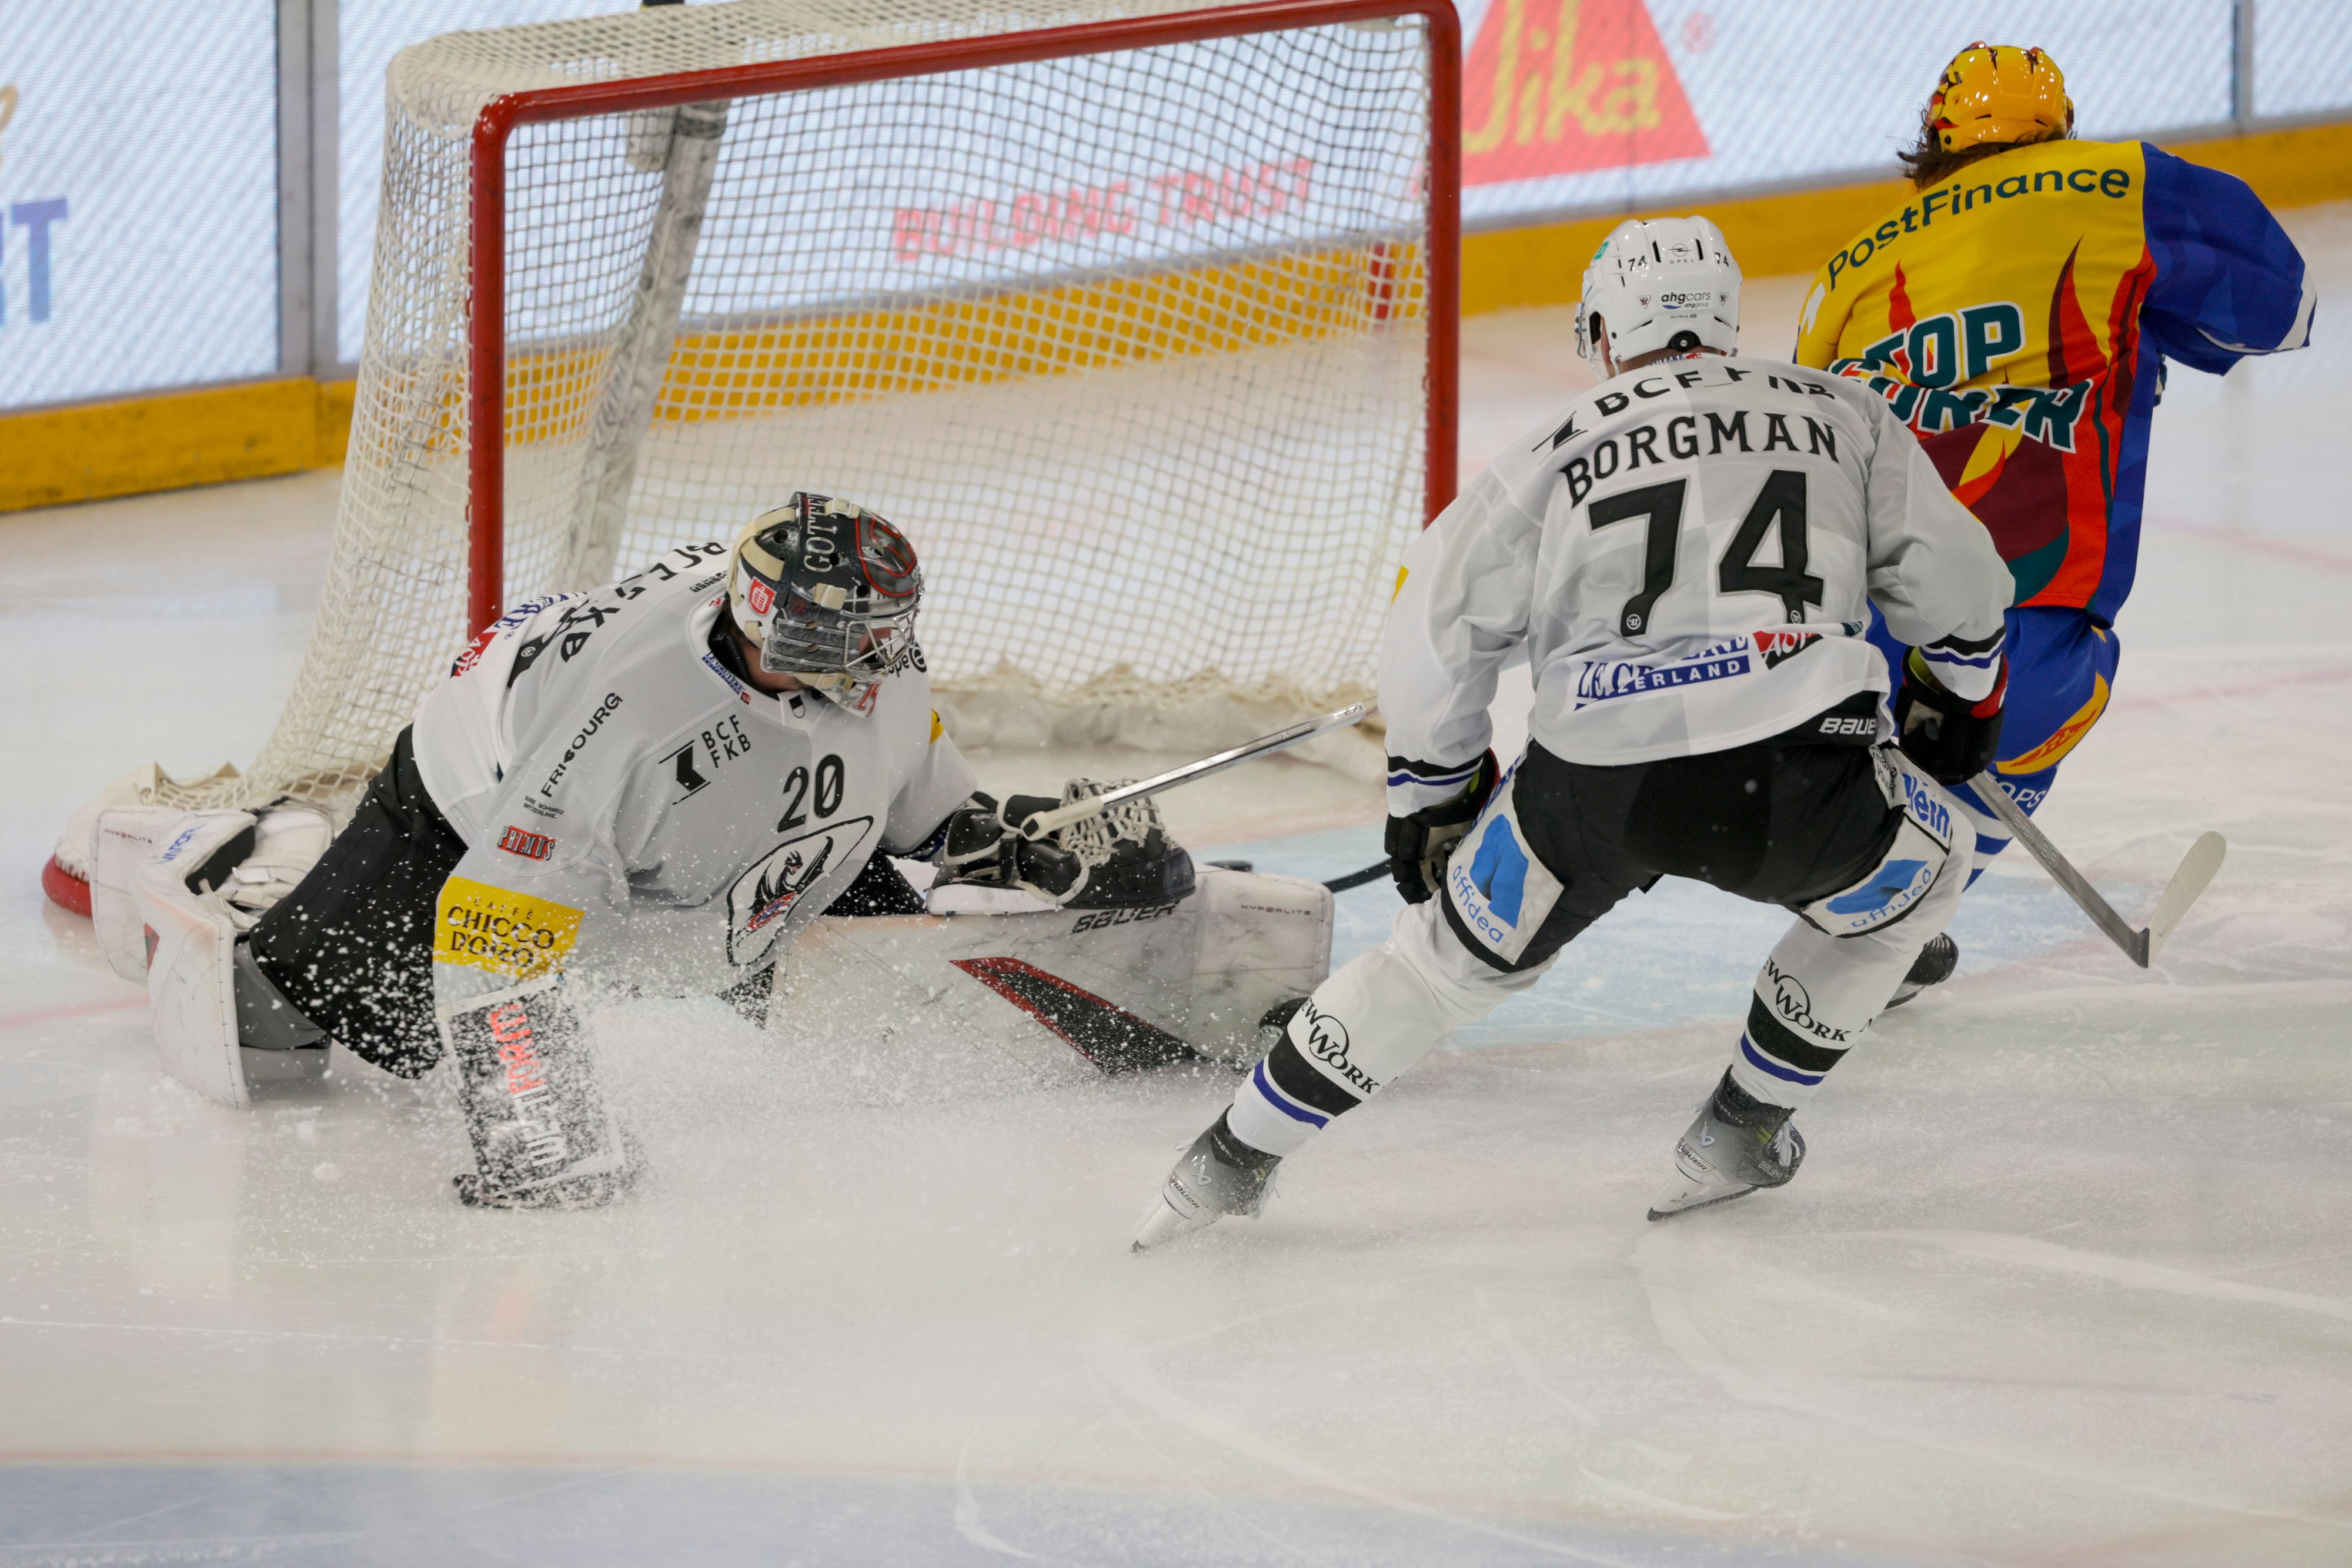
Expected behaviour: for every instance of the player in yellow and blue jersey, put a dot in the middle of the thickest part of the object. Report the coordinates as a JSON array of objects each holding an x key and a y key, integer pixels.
[{"x": 2018, "y": 312}]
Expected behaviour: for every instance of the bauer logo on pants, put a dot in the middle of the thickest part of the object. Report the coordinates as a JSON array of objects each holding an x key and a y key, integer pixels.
[
  {"x": 505, "y": 931},
  {"x": 1500, "y": 890}
]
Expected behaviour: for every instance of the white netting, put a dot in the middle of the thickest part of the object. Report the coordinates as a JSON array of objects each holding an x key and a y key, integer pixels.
[
  {"x": 1131, "y": 345},
  {"x": 1092, "y": 839}
]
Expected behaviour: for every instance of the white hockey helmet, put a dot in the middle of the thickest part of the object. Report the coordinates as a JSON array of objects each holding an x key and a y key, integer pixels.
[
  {"x": 828, "y": 590},
  {"x": 1660, "y": 283}
]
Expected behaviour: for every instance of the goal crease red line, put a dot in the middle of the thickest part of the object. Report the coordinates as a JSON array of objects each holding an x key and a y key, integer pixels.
[{"x": 486, "y": 399}]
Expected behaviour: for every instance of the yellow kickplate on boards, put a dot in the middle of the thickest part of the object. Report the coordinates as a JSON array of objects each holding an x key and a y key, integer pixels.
[{"x": 498, "y": 929}]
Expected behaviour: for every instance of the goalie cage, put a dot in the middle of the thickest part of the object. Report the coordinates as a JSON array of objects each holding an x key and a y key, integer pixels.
[{"x": 1139, "y": 321}]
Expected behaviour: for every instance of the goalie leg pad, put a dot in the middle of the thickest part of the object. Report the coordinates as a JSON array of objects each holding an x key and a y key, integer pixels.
[
  {"x": 191, "y": 943},
  {"x": 126, "y": 838},
  {"x": 542, "y": 1137}
]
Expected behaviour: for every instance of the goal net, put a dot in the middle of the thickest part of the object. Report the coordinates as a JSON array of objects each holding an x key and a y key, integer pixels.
[{"x": 1137, "y": 320}]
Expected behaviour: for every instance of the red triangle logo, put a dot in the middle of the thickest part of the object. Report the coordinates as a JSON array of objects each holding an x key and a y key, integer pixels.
[{"x": 1566, "y": 87}]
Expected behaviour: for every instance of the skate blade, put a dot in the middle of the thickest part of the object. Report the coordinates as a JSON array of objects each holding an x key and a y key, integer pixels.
[
  {"x": 1164, "y": 1224},
  {"x": 1696, "y": 1197}
]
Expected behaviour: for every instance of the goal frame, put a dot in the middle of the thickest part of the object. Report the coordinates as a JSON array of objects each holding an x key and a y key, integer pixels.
[{"x": 486, "y": 225}]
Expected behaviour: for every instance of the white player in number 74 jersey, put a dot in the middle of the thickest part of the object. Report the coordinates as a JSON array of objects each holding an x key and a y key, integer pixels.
[{"x": 1686, "y": 558}]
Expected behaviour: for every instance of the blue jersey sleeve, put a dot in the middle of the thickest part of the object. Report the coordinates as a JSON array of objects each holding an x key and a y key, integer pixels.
[{"x": 2228, "y": 282}]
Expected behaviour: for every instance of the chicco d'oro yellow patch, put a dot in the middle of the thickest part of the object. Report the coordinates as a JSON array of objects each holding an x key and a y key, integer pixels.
[{"x": 498, "y": 929}]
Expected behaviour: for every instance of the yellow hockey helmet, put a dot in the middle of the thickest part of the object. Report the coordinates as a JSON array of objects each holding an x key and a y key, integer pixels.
[{"x": 1997, "y": 93}]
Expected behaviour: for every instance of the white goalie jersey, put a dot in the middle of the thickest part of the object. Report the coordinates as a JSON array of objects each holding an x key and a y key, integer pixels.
[
  {"x": 1688, "y": 559},
  {"x": 631, "y": 807}
]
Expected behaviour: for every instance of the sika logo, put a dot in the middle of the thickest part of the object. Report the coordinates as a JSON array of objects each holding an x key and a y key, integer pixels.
[
  {"x": 530, "y": 845},
  {"x": 1566, "y": 87}
]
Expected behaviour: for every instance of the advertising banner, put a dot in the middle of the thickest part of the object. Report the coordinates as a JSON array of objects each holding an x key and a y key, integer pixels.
[
  {"x": 1579, "y": 106},
  {"x": 139, "y": 140},
  {"x": 137, "y": 197}
]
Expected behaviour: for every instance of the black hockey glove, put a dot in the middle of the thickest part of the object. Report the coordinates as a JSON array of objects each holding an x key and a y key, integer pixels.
[
  {"x": 1420, "y": 845},
  {"x": 982, "y": 844},
  {"x": 1950, "y": 738}
]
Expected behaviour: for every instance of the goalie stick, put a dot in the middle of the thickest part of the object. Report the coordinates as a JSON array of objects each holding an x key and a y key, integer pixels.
[
  {"x": 2140, "y": 946},
  {"x": 1077, "y": 811}
]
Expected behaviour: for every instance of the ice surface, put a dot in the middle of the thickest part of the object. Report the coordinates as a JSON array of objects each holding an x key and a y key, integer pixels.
[{"x": 2065, "y": 1280}]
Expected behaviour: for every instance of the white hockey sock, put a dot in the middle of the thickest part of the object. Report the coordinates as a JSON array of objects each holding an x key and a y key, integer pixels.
[
  {"x": 1364, "y": 1026},
  {"x": 1817, "y": 993}
]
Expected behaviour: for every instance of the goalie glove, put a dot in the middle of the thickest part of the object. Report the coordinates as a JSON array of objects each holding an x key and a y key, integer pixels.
[
  {"x": 1420, "y": 845},
  {"x": 1951, "y": 739},
  {"x": 1121, "y": 859}
]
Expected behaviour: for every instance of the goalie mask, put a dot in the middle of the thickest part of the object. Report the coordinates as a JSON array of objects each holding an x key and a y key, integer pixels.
[
  {"x": 829, "y": 591},
  {"x": 1660, "y": 283}
]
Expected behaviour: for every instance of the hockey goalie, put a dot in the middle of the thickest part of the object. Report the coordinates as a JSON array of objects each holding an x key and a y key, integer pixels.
[{"x": 657, "y": 789}]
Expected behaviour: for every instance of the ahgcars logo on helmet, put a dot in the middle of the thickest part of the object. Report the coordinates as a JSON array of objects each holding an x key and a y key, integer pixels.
[{"x": 762, "y": 598}]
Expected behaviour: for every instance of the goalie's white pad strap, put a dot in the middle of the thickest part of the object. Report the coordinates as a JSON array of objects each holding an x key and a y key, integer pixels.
[
  {"x": 979, "y": 898},
  {"x": 287, "y": 841},
  {"x": 122, "y": 839},
  {"x": 191, "y": 945}
]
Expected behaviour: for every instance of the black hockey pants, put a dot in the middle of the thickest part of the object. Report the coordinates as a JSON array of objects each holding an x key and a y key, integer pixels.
[
  {"x": 351, "y": 946},
  {"x": 1775, "y": 822}
]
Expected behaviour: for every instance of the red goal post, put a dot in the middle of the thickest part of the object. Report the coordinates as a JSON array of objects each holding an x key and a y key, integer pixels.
[
  {"x": 639, "y": 276},
  {"x": 498, "y": 122}
]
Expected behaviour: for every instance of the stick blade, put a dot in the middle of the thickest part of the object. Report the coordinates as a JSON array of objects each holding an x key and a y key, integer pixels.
[{"x": 2196, "y": 869}]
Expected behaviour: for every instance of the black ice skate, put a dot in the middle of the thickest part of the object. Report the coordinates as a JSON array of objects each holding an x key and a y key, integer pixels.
[
  {"x": 1218, "y": 1176},
  {"x": 1738, "y": 1144},
  {"x": 1932, "y": 967}
]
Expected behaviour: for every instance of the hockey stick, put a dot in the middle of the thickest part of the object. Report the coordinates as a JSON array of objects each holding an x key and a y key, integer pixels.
[
  {"x": 1044, "y": 823},
  {"x": 2196, "y": 870},
  {"x": 1372, "y": 873}
]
